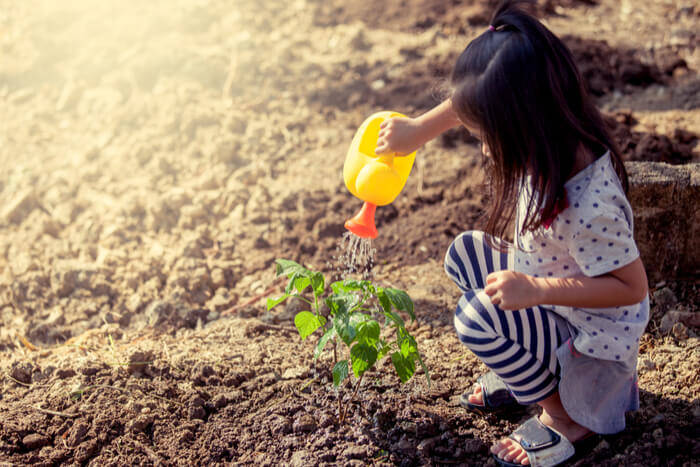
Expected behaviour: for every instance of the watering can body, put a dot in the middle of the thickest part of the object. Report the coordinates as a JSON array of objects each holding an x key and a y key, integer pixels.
[{"x": 375, "y": 179}]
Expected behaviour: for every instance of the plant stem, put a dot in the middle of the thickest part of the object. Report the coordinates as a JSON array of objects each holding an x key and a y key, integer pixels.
[
  {"x": 335, "y": 361},
  {"x": 352, "y": 396}
]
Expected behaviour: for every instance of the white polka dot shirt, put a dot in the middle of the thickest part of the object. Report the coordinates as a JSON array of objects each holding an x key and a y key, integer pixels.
[{"x": 592, "y": 236}]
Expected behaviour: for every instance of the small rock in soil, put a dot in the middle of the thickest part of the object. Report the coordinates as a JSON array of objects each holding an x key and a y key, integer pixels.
[
  {"x": 355, "y": 452},
  {"x": 157, "y": 312},
  {"x": 281, "y": 425},
  {"x": 197, "y": 413},
  {"x": 22, "y": 372},
  {"x": 646, "y": 363},
  {"x": 472, "y": 446},
  {"x": 425, "y": 446},
  {"x": 295, "y": 373},
  {"x": 138, "y": 361},
  {"x": 426, "y": 427},
  {"x": 35, "y": 440},
  {"x": 664, "y": 299},
  {"x": 196, "y": 401},
  {"x": 404, "y": 445},
  {"x": 201, "y": 372},
  {"x": 86, "y": 450},
  {"x": 325, "y": 421},
  {"x": 603, "y": 446},
  {"x": 668, "y": 320},
  {"x": 140, "y": 423},
  {"x": 64, "y": 373},
  {"x": 304, "y": 424},
  {"x": 300, "y": 458},
  {"x": 219, "y": 401},
  {"x": 383, "y": 418},
  {"x": 77, "y": 433},
  {"x": 679, "y": 331},
  {"x": 89, "y": 370}
]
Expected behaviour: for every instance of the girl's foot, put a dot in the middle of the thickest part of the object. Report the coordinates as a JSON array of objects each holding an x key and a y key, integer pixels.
[
  {"x": 489, "y": 396},
  {"x": 476, "y": 397},
  {"x": 510, "y": 450}
]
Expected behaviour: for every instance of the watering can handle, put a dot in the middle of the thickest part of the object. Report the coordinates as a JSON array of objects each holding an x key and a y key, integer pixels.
[{"x": 387, "y": 158}]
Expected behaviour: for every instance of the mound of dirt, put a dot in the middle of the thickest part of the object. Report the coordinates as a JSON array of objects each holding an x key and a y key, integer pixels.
[
  {"x": 646, "y": 146},
  {"x": 454, "y": 16}
]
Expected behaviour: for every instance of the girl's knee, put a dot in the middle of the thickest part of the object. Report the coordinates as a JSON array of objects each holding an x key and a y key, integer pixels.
[
  {"x": 472, "y": 320},
  {"x": 456, "y": 260}
]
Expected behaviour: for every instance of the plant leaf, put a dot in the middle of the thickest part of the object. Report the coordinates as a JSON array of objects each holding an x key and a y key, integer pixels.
[
  {"x": 392, "y": 316},
  {"x": 362, "y": 357},
  {"x": 345, "y": 330},
  {"x": 307, "y": 322},
  {"x": 408, "y": 347},
  {"x": 405, "y": 367},
  {"x": 350, "y": 285},
  {"x": 273, "y": 302},
  {"x": 301, "y": 283},
  {"x": 357, "y": 318},
  {"x": 318, "y": 283},
  {"x": 288, "y": 267},
  {"x": 330, "y": 334},
  {"x": 401, "y": 301},
  {"x": 424, "y": 366},
  {"x": 383, "y": 299},
  {"x": 368, "y": 332},
  {"x": 384, "y": 349},
  {"x": 342, "y": 302},
  {"x": 340, "y": 372}
]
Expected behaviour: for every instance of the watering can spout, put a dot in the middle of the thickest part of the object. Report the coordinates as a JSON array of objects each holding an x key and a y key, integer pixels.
[{"x": 362, "y": 224}]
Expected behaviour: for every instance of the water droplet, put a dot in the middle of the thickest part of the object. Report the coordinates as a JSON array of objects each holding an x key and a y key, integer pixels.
[{"x": 354, "y": 257}]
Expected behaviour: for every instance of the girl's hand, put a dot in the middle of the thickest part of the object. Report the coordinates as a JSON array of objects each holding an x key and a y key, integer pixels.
[
  {"x": 399, "y": 135},
  {"x": 512, "y": 290}
]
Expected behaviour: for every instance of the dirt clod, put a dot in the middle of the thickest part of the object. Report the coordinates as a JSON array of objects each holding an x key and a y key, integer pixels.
[
  {"x": 35, "y": 440},
  {"x": 22, "y": 372},
  {"x": 77, "y": 433},
  {"x": 140, "y": 423},
  {"x": 305, "y": 423}
]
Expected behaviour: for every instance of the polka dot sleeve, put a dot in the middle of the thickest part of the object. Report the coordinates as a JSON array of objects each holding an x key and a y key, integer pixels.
[{"x": 602, "y": 243}]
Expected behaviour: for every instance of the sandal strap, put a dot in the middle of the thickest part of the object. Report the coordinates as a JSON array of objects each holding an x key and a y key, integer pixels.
[
  {"x": 544, "y": 445},
  {"x": 494, "y": 390}
]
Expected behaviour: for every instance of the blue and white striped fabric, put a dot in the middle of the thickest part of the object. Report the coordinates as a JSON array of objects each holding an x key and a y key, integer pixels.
[{"x": 519, "y": 346}]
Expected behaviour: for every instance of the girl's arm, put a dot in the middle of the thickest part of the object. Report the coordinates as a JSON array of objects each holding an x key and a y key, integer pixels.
[
  {"x": 514, "y": 290},
  {"x": 405, "y": 135}
]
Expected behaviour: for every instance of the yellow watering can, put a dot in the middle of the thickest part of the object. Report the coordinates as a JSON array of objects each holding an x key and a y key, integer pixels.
[{"x": 375, "y": 179}]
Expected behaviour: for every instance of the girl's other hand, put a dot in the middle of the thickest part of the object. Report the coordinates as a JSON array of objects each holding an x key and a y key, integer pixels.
[
  {"x": 399, "y": 135},
  {"x": 512, "y": 290}
]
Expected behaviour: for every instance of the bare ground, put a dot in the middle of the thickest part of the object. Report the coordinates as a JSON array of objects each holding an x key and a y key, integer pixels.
[{"x": 159, "y": 155}]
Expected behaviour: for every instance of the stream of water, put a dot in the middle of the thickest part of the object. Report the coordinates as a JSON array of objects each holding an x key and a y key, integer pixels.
[{"x": 354, "y": 257}]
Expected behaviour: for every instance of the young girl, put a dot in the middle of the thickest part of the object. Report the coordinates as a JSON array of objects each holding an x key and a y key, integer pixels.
[{"x": 557, "y": 314}]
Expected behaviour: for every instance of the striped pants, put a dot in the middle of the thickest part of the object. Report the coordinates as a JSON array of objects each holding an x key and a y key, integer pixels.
[{"x": 519, "y": 346}]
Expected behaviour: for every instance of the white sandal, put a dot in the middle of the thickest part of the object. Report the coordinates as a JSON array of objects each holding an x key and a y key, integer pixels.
[{"x": 545, "y": 446}]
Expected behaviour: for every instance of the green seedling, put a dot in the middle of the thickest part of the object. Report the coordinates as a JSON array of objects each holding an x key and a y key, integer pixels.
[{"x": 350, "y": 319}]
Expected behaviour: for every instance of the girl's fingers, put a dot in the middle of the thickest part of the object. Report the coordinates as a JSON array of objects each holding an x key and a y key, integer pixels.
[
  {"x": 383, "y": 124},
  {"x": 381, "y": 148},
  {"x": 490, "y": 290},
  {"x": 491, "y": 277}
]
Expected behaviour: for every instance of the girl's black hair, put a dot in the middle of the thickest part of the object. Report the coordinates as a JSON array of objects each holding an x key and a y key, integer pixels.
[{"x": 517, "y": 82}]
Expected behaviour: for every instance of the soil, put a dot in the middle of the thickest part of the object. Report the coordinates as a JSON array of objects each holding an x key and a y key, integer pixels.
[{"x": 160, "y": 155}]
